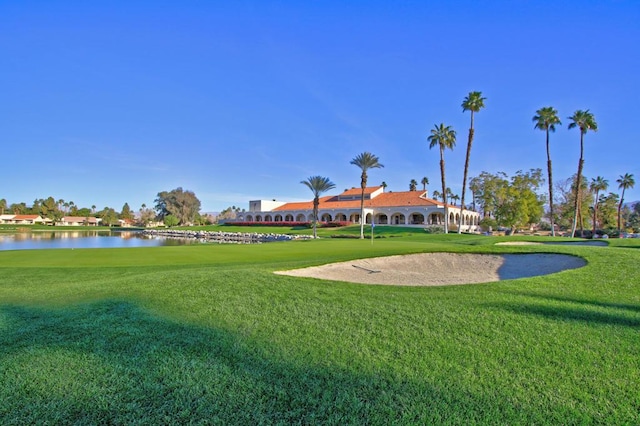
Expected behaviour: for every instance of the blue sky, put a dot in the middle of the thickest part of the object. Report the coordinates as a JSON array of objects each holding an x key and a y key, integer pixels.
[{"x": 111, "y": 102}]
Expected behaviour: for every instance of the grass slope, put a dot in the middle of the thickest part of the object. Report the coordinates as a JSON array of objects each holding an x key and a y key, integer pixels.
[{"x": 207, "y": 334}]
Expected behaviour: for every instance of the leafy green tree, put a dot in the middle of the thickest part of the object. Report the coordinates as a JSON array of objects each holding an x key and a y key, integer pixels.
[
  {"x": 474, "y": 102},
  {"x": 18, "y": 208},
  {"x": 170, "y": 220},
  {"x": 109, "y": 216},
  {"x": 184, "y": 205},
  {"x": 486, "y": 187},
  {"x": 444, "y": 137},
  {"x": 126, "y": 212},
  {"x": 546, "y": 119},
  {"x": 634, "y": 218},
  {"x": 413, "y": 185},
  {"x": 146, "y": 215},
  {"x": 585, "y": 121},
  {"x": 425, "y": 182},
  {"x": 607, "y": 211},
  {"x": 83, "y": 212},
  {"x": 625, "y": 182},
  {"x": 598, "y": 184},
  {"x": 318, "y": 185},
  {"x": 49, "y": 208},
  {"x": 3, "y": 205},
  {"x": 364, "y": 161}
]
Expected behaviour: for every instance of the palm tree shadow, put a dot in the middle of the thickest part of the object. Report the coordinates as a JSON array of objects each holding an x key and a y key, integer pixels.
[
  {"x": 586, "y": 302},
  {"x": 111, "y": 362},
  {"x": 559, "y": 308}
]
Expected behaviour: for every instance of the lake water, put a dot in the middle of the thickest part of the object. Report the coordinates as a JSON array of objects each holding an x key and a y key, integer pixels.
[{"x": 82, "y": 239}]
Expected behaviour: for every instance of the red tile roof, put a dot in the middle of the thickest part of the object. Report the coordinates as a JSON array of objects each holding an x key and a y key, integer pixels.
[
  {"x": 386, "y": 199},
  {"x": 25, "y": 217}
]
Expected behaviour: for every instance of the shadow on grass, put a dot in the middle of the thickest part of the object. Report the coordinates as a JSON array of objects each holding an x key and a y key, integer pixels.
[
  {"x": 113, "y": 363},
  {"x": 588, "y": 311},
  {"x": 587, "y": 302}
]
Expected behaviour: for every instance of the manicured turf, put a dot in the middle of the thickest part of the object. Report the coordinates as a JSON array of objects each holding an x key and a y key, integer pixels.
[{"x": 208, "y": 334}]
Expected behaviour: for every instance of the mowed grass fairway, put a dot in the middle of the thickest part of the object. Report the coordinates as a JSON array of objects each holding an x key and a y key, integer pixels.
[{"x": 207, "y": 334}]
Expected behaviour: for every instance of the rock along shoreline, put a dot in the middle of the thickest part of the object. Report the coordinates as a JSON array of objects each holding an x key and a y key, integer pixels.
[{"x": 223, "y": 237}]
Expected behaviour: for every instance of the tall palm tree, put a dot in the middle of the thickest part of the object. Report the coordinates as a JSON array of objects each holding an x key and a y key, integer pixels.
[
  {"x": 625, "y": 181},
  {"x": 436, "y": 194},
  {"x": 474, "y": 102},
  {"x": 384, "y": 185},
  {"x": 317, "y": 185},
  {"x": 585, "y": 121},
  {"x": 3, "y": 205},
  {"x": 443, "y": 137},
  {"x": 413, "y": 185},
  {"x": 365, "y": 161},
  {"x": 425, "y": 182},
  {"x": 598, "y": 184},
  {"x": 546, "y": 119}
]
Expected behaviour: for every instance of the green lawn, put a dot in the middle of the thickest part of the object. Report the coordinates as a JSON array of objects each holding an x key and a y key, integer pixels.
[{"x": 208, "y": 334}]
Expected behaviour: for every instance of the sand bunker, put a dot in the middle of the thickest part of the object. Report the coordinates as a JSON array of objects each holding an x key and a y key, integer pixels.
[{"x": 433, "y": 269}]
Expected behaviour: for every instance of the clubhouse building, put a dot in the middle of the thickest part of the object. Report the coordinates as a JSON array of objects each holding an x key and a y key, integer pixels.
[{"x": 408, "y": 208}]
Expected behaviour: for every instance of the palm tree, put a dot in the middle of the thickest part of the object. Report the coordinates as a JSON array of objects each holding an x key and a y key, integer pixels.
[
  {"x": 443, "y": 137},
  {"x": 625, "y": 181},
  {"x": 317, "y": 185},
  {"x": 474, "y": 102},
  {"x": 546, "y": 119},
  {"x": 413, "y": 185},
  {"x": 584, "y": 121},
  {"x": 3, "y": 205},
  {"x": 425, "y": 182},
  {"x": 364, "y": 161},
  {"x": 436, "y": 194},
  {"x": 598, "y": 184},
  {"x": 384, "y": 185}
]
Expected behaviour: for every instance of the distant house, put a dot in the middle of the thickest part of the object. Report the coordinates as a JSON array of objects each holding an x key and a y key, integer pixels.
[
  {"x": 407, "y": 208},
  {"x": 6, "y": 218},
  {"x": 26, "y": 219},
  {"x": 79, "y": 221},
  {"x": 125, "y": 223}
]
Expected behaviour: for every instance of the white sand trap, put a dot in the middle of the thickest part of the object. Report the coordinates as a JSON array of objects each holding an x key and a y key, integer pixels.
[{"x": 434, "y": 269}]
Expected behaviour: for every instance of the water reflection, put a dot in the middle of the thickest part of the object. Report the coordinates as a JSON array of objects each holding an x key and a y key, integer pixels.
[{"x": 83, "y": 239}]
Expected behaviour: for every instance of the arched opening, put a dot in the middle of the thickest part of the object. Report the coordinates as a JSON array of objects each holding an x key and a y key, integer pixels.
[
  {"x": 300, "y": 218},
  {"x": 268, "y": 218},
  {"x": 382, "y": 219},
  {"x": 368, "y": 218},
  {"x": 341, "y": 217},
  {"x": 249, "y": 218},
  {"x": 416, "y": 219},
  {"x": 398, "y": 219},
  {"x": 278, "y": 218},
  {"x": 326, "y": 217},
  {"x": 288, "y": 218},
  {"x": 355, "y": 218},
  {"x": 258, "y": 218}
]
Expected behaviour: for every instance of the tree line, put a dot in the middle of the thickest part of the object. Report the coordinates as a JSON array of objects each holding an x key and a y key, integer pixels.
[{"x": 515, "y": 201}]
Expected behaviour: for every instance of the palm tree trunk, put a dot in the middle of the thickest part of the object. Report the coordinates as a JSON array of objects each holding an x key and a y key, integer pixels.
[
  {"x": 550, "y": 174},
  {"x": 444, "y": 191},
  {"x": 466, "y": 170},
  {"x": 363, "y": 185},
  {"x": 576, "y": 202},
  {"x": 316, "y": 201},
  {"x": 595, "y": 217},
  {"x": 620, "y": 210}
]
